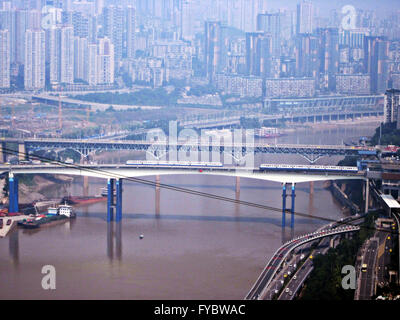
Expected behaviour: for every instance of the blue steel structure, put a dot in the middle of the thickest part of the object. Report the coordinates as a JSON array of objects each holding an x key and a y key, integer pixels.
[
  {"x": 118, "y": 187},
  {"x": 110, "y": 199},
  {"x": 13, "y": 194},
  {"x": 117, "y": 204},
  {"x": 292, "y": 208},
  {"x": 284, "y": 205}
]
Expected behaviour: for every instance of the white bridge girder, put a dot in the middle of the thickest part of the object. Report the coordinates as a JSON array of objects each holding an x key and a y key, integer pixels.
[{"x": 124, "y": 172}]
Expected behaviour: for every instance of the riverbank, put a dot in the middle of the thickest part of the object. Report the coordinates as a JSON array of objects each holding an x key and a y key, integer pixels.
[
  {"x": 294, "y": 127},
  {"x": 35, "y": 188}
]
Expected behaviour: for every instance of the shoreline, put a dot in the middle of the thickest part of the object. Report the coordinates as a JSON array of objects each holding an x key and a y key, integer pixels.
[{"x": 291, "y": 128}]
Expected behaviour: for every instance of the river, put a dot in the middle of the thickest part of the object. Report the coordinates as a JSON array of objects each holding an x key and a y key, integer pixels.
[{"x": 193, "y": 247}]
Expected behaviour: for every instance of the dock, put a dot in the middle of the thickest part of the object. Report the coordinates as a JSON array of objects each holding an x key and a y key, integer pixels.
[{"x": 7, "y": 228}]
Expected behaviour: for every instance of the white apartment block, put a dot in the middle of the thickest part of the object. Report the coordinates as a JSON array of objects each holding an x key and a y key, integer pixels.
[
  {"x": 34, "y": 64},
  {"x": 4, "y": 59}
]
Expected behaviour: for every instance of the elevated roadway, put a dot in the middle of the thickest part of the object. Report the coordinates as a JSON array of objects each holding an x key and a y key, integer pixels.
[
  {"x": 259, "y": 288},
  {"x": 122, "y": 171},
  {"x": 310, "y": 152}
]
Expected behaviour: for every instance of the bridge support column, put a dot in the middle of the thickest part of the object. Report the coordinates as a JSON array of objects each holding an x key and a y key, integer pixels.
[
  {"x": 2, "y": 155},
  {"x": 237, "y": 185},
  {"x": 311, "y": 187},
  {"x": 157, "y": 199},
  {"x": 21, "y": 151},
  {"x": 292, "y": 208},
  {"x": 110, "y": 199},
  {"x": 85, "y": 186},
  {"x": 366, "y": 196},
  {"x": 12, "y": 194},
  {"x": 283, "y": 205},
  {"x": 118, "y": 187}
]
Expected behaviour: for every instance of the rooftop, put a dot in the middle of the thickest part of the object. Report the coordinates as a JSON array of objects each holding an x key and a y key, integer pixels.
[{"x": 390, "y": 201}]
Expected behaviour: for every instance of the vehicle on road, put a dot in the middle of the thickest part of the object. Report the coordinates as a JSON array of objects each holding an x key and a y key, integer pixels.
[
  {"x": 364, "y": 267},
  {"x": 9, "y": 222}
]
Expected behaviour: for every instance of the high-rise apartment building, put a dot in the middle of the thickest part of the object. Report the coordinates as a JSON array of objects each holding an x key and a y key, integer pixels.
[
  {"x": 92, "y": 52},
  {"x": 5, "y": 58},
  {"x": 271, "y": 24},
  {"x": 307, "y": 60},
  {"x": 376, "y": 50},
  {"x": 215, "y": 48},
  {"x": 328, "y": 56},
  {"x": 105, "y": 62},
  {"x": 392, "y": 106},
  {"x": 305, "y": 13},
  {"x": 113, "y": 24},
  {"x": 61, "y": 54},
  {"x": 258, "y": 54},
  {"x": 130, "y": 32},
  {"x": 81, "y": 70},
  {"x": 34, "y": 64}
]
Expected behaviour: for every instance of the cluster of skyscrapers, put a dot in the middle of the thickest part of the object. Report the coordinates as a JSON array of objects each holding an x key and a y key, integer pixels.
[{"x": 241, "y": 47}]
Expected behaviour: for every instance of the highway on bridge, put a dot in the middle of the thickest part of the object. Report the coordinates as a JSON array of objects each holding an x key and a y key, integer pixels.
[{"x": 122, "y": 171}]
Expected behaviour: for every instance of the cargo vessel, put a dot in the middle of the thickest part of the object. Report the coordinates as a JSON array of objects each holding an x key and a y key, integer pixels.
[
  {"x": 54, "y": 215},
  {"x": 265, "y": 132},
  {"x": 77, "y": 200}
]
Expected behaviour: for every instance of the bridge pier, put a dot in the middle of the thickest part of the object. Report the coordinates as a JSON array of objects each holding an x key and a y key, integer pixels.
[
  {"x": 237, "y": 185},
  {"x": 110, "y": 199},
  {"x": 292, "y": 208},
  {"x": 157, "y": 198},
  {"x": 85, "y": 186},
  {"x": 2, "y": 155},
  {"x": 22, "y": 151},
  {"x": 12, "y": 194},
  {"x": 283, "y": 205},
  {"x": 118, "y": 187}
]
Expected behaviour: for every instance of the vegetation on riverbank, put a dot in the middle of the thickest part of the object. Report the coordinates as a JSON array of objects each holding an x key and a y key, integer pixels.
[
  {"x": 390, "y": 135},
  {"x": 145, "y": 97},
  {"x": 325, "y": 281}
]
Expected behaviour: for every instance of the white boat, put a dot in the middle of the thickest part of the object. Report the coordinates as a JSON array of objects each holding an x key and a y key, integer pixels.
[{"x": 62, "y": 209}]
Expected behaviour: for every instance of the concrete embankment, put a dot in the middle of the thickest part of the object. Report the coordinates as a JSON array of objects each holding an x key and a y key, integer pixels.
[
  {"x": 7, "y": 228},
  {"x": 342, "y": 197}
]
